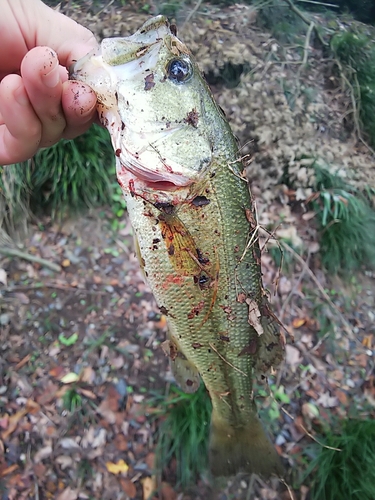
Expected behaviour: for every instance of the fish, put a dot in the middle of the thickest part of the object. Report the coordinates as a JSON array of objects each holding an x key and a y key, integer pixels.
[{"x": 197, "y": 236}]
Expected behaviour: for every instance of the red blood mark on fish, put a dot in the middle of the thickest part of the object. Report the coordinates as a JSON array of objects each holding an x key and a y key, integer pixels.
[
  {"x": 118, "y": 152},
  {"x": 172, "y": 279},
  {"x": 196, "y": 310},
  {"x": 131, "y": 187}
]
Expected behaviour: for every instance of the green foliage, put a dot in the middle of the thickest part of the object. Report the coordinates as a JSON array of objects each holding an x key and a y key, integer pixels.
[
  {"x": 346, "y": 222},
  {"x": 72, "y": 400},
  {"x": 183, "y": 433},
  {"x": 355, "y": 53},
  {"x": 349, "y": 473}
]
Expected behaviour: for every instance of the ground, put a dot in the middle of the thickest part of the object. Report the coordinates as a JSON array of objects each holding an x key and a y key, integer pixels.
[{"x": 80, "y": 355}]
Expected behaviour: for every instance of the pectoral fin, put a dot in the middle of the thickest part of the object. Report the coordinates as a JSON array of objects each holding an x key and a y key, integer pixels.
[
  {"x": 270, "y": 350},
  {"x": 184, "y": 372}
]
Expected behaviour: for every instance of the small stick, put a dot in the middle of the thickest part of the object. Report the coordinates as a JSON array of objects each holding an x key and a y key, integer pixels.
[
  {"x": 13, "y": 252},
  {"x": 226, "y": 361}
]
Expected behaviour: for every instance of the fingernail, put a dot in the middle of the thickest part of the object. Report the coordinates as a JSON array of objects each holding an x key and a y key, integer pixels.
[
  {"x": 21, "y": 96},
  {"x": 52, "y": 78}
]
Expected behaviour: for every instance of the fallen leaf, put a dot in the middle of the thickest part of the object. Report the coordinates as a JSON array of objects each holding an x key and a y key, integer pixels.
[
  {"x": 12, "y": 423},
  {"x": 69, "y": 378},
  {"x": 149, "y": 486},
  {"x": 167, "y": 492},
  {"x": 68, "y": 494},
  {"x": 293, "y": 356},
  {"x": 121, "y": 442},
  {"x": 3, "y": 277},
  {"x": 117, "y": 468},
  {"x": 8, "y": 470},
  {"x": 42, "y": 453},
  {"x": 298, "y": 322},
  {"x": 254, "y": 316},
  {"x": 128, "y": 487}
]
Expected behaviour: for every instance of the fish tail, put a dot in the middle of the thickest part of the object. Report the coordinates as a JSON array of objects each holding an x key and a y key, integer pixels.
[{"x": 242, "y": 449}]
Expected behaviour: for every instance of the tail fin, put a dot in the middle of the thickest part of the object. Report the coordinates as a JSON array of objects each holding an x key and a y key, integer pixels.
[{"x": 242, "y": 449}]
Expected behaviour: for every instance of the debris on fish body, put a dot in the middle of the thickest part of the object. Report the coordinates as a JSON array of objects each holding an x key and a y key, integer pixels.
[{"x": 196, "y": 230}]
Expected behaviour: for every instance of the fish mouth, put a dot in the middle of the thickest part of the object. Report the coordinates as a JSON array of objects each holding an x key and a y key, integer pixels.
[{"x": 164, "y": 177}]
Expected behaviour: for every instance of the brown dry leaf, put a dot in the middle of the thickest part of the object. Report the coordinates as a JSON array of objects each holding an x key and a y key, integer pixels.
[
  {"x": 3, "y": 277},
  {"x": 298, "y": 322},
  {"x": 121, "y": 442},
  {"x": 68, "y": 494},
  {"x": 292, "y": 356},
  {"x": 362, "y": 360},
  {"x": 117, "y": 468},
  {"x": 167, "y": 492},
  {"x": 149, "y": 486},
  {"x": 150, "y": 460},
  {"x": 367, "y": 341},
  {"x": 128, "y": 487},
  {"x": 254, "y": 316},
  {"x": 12, "y": 423},
  {"x": 8, "y": 470},
  {"x": 48, "y": 395},
  {"x": 342, "y": 397},
  {"x": 42, "y": 453},
  {"x": 87, "y": 375},
  {"x": 57, "y": 371}
]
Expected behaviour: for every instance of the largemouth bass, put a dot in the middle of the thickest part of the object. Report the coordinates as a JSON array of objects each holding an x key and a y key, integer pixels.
[{"x": 195, "y": 224}]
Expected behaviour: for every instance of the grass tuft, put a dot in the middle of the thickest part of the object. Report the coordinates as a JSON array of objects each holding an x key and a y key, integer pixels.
[
  {"x": 64, "y": 179},
  {"x": 349, "y": 473},
  {"x": 346, "y": 221},
  {"x": 183, "y": 434}
]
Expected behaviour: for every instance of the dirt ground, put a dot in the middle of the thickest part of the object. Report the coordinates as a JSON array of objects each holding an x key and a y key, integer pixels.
[{"x": 92, "y": 331}]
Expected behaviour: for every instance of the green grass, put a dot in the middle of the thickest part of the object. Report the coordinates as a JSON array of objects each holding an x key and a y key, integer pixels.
[
  {"x": 349, "y": 473},
  {"x": 183, "y": 433},
  {"x": 346, "y": 223}
]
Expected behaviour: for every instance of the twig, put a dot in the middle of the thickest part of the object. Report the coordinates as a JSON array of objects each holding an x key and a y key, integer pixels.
[
  {"x": 291, "y": 494},
  {"x": 293, "y": 290},
  {"x": 250, "y": 489},
  {"x": 191, "y": 13},
  {"x": 307, "y": 44},
  {"x": 345, "y": 323},
  {"x": 13, "y": 252},
  {"x": 226, "y": 361},
  {"x": 311, "y": 436},
  {"x": 305, "y": 20},
  {"x": 16, "y": 288}
]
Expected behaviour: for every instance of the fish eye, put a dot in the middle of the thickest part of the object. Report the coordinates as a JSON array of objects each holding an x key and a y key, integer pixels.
[{"x": 179, "y": 70}]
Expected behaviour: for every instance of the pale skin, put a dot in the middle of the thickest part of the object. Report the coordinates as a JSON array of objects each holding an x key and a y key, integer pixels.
[{"x": 38, "y": 104}]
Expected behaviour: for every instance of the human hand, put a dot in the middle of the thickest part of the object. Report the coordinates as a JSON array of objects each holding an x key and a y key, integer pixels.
[{"x": 38, "y": 104}]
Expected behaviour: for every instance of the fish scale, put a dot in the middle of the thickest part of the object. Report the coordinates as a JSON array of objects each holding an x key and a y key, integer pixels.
[{"x": 196, "y": 231}]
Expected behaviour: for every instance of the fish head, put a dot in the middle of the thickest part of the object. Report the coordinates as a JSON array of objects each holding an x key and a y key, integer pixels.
[{"x": 157, "y": 108}]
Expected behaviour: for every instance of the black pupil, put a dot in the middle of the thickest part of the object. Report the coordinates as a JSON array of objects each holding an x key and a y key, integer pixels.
[{"x": 178, "y": 70}]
